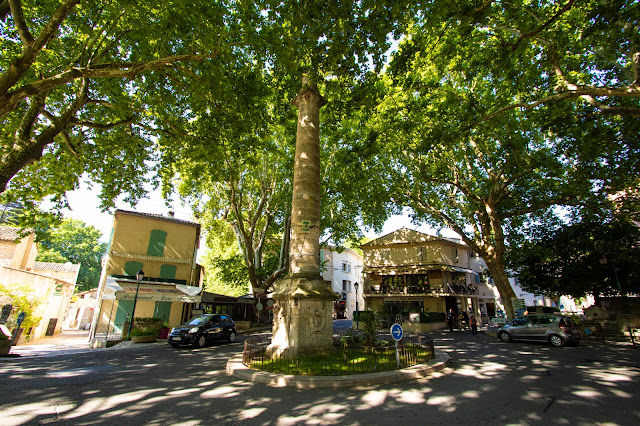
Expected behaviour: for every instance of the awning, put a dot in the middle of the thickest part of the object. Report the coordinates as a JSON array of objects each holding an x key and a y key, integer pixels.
[
  {"x": 414, "y": 269},
  {"x": 458, "y": 269},
  {"x": 157, "y": 291}
]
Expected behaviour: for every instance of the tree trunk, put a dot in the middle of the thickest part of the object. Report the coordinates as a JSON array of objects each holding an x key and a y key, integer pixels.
[{"x": 501, "y": 280}]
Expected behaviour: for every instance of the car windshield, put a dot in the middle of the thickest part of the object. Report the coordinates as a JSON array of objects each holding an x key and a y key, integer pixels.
[{"x": 201, "y": 320}]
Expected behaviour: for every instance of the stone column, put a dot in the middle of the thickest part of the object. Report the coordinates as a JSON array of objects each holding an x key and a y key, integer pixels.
[{"x": 304, "y": 301}]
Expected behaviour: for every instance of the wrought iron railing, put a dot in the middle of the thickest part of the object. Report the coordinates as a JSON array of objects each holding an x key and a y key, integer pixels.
[{"x": 349, "y": 355}]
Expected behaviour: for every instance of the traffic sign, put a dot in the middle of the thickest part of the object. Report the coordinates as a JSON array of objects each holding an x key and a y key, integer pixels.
[
  {"x": 20, "y": 318},
  {"x": 396, "y": 332}
]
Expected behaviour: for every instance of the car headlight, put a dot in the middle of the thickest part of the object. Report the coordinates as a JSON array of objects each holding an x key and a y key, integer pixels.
[
  {"x": 172, "y": 330},
  {"x": 193, "y": 330}
]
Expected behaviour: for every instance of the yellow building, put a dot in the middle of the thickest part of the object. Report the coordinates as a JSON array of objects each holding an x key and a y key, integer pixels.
[
  {"x": 52, "y": 283},
  {"x": 408, "y": 273},
  {"x": 164, "y": 248}
]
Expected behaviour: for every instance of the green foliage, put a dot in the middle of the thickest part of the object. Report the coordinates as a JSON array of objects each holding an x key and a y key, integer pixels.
[
  {"x": 22, "y": 297},
  {"x": 493, "y": 113},
  {"x": 226, "y": 272},
  {"x": 146, "y": 326},
  {"x": 568, "y": 259},
  {"x": 369, "y": 327},
  {"x": 51, "y": 256},
  {"x": 76, "y": 242}
]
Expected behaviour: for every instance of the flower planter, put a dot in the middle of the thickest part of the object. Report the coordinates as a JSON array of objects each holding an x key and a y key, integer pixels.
[{"x": 143, "y": 339}]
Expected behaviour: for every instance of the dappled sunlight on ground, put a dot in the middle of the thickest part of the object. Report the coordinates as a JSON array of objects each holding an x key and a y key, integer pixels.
[{"x": 488, "y": 382}]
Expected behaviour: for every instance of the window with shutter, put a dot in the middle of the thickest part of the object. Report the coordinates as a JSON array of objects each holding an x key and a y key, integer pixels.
[{"x": 156, "y": 243}]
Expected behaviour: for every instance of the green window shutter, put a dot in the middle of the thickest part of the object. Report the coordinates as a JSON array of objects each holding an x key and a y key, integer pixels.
[
  {"x": 132, "y": 268},
  {"x": 162, "y": 310},
  {"x": 156, "y": 243},
  {"x": 124, "y": 308},
  {"x": 168, "y": 271}
]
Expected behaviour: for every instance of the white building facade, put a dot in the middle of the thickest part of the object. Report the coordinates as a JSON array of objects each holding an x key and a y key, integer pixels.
[{"x": 344, "y": 270}]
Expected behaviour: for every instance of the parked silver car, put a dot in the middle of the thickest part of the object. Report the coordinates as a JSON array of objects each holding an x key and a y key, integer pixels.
[{"x": 555, "y": 329}]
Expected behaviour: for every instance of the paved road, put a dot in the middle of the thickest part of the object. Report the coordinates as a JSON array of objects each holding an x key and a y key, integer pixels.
[{"x": 489, "y": 382}]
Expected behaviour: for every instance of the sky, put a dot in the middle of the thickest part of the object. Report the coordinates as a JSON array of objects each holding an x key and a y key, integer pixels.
[{"x": 84, "y": 204}]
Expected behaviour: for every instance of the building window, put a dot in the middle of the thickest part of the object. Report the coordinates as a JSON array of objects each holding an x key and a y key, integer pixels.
[
  {"x": 346, "y": 285},
  {"x": 346, "y": 267},
  {"x": 156, "y": 243},
  {"x": 168, "y": 271},
  {"x": 132, "y": 268}
]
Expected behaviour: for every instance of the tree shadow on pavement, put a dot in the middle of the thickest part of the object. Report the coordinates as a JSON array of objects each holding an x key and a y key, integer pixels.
[{"x": 489, "y": 382}]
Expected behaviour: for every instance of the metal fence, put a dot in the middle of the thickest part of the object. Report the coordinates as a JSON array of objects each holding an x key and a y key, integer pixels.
[
  {"x": 111, "y": 331},
  {"x": 349, "y": 355}
]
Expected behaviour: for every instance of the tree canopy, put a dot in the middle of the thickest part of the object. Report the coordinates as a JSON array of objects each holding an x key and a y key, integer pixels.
[
  {"x": 589, "y": 257},
  {"x": 493, "y": 113},
  {"x": 76, "y": 242}
]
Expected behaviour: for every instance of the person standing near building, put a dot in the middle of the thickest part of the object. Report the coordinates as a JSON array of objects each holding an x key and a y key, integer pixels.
[
  {"x": 450, "y": 317},
  {"x": 473, "y": 323}
]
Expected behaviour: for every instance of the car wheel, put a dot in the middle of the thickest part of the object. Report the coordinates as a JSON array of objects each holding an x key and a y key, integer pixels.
[
  {"x": 504, "y": 336},
  {"x": 556, "y": 340},
  {"x": 232, "y": 337},
  {"x": 200, "y": 341}
]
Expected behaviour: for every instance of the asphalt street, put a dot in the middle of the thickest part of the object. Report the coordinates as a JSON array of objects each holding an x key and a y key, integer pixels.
[{"x": 489, "y": 382}]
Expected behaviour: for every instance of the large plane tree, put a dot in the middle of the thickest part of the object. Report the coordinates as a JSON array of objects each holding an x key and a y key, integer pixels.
[{"x": 496, "y": 112}]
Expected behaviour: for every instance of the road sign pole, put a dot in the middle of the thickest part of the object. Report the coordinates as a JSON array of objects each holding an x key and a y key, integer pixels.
[{"x": 397, "y": 333}]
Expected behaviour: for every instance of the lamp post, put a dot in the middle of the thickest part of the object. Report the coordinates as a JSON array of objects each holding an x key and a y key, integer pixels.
[
  {"x": 139, "y": 277},
  {"x": 357, "y": 314}
]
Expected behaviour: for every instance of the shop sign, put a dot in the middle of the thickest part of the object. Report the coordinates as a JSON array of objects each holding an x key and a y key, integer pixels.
[{"x": 159, "y": 297}]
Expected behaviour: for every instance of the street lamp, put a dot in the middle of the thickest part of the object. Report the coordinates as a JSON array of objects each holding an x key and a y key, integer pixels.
[
  {"x": 139, "y": 277},
  {"x": 357, "y": 314}
]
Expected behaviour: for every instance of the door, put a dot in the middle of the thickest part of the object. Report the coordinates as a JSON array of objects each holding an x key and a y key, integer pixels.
[
  {"x": 51, "y": 327},
  {"x": 124, "y": 309}
]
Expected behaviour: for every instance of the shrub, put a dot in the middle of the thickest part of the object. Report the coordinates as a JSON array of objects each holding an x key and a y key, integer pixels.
[
  {"x": 22, "y": 297},
  {"x": 146, "y": 326}
]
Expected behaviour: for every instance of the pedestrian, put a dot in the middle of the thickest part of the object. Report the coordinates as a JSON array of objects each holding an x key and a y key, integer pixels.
[
  {"x": 473, "y": 322},
  {"x": 450, "y": 317}
]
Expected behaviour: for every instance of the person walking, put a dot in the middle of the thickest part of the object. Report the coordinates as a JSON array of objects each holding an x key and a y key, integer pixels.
[
  {"x": 473, "y": 322},
  {"x": 450, "y": 317}
]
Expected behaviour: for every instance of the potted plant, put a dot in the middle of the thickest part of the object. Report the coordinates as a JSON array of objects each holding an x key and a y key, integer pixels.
[
  {"x": 145, "y": 330},
  {"x": 164, "y": 331}
]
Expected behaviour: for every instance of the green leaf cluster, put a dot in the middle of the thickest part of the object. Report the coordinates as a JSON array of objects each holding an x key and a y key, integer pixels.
[{"x": 23, "y": 299}]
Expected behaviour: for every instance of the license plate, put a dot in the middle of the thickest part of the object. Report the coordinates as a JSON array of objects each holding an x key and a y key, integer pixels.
[{"x": 176, "y": 338}]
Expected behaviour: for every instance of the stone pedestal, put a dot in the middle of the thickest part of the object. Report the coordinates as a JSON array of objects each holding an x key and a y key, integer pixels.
[{"x": 302, "y": 316}]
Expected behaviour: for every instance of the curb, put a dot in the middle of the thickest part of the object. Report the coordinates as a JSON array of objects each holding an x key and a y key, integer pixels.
[{"x": 236, "y": 368}]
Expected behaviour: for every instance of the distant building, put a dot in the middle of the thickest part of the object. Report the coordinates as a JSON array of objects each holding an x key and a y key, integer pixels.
[
  {"x": 344, "y": 270},
  {"x": 408, "y": 272},
  {"x": 81, "y": 310},
  {"x": 52, "y": 283},
  {"x": 164, "y": 248}
]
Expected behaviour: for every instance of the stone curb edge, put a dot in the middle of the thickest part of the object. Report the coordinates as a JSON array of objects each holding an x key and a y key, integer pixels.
[{"x": 236, "y": 368}]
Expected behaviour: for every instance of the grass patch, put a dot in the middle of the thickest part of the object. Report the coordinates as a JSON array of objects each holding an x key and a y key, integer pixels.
[{"x": 343, "y": 361}]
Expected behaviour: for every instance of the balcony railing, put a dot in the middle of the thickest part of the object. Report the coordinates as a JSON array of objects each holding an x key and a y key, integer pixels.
[{"x": 446, "y": 290}]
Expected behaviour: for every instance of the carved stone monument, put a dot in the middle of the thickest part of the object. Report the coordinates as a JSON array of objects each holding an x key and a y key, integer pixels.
[{"x": 304, "y": 301}]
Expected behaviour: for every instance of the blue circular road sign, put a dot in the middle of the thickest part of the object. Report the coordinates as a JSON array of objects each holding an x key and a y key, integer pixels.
[{"x": 396, "y": 332}]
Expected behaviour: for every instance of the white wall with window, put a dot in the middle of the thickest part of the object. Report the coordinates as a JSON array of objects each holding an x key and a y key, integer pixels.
[{"x": 344, "y": 270}]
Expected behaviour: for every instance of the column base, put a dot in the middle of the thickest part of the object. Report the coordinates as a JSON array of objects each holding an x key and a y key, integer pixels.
[{"x": 302, "y": 316}]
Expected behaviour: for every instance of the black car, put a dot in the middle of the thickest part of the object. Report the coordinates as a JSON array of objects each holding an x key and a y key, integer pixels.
[{"x": 202, "y": 329}]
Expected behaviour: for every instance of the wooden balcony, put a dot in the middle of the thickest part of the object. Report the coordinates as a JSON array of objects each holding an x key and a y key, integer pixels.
[{"x": 426, "y": 290}]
